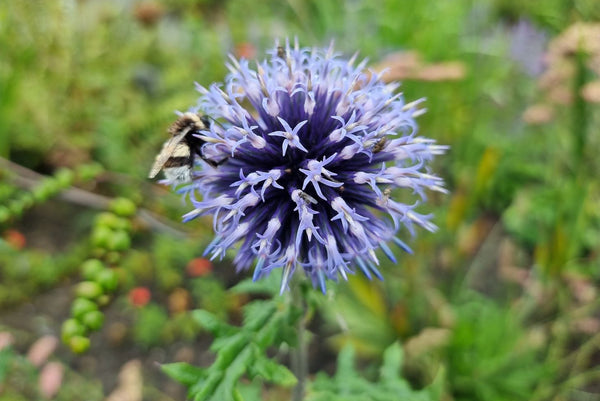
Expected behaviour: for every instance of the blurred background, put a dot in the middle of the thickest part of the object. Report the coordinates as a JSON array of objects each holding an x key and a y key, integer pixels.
[{"x": 500, "y": 304}]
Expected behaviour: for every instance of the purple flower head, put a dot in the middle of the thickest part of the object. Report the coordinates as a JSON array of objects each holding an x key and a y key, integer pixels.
[{"x": 314, "y": 146}]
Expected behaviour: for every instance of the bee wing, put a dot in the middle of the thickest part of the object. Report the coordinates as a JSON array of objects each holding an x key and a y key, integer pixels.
[{"x": 166, "y": 152}]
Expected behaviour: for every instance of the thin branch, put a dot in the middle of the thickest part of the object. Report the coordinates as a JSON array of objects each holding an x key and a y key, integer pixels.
[{"x": 26, "y": 178}]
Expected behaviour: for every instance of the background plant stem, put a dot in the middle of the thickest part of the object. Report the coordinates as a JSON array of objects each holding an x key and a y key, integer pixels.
[
  {"x": 580, "y": 114},
  {"x": 299, "y": 356}
]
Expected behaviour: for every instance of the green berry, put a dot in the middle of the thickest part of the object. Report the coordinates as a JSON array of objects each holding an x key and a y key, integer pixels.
[
  {"x": 27, "y": 200},
  {"x": 64, "y": 177},
  {"x": 98, "y": 252},
  {"x": 15, "y": 207},
  {"x": 91, "y": 268},
  {"x": 119, "y": 241},
  {"x": 108, "y": 280},
  {"x": 123, "y": 207},
  {"x": 42, "y": 191},
  {"x": 107, "y": 219},
  {"x": 101, "y": 236},
  {"x": 103, "y": 300},
  {"x": 81, "y": 306},
  {"x": 6, "y": 190},
  {"x": 71, "y": 328},
  {"x": 89, "y": 290},
  {"x": 112, "y": 257},
  {"x": 124, "y": 224},
  {"x": 111, "y": 220},
  {"x": 50, "y": 186},
  {"x": 89, "y": 171},
  {"x": 79, "y": 344},
  {"x": 93, "y": 320}
]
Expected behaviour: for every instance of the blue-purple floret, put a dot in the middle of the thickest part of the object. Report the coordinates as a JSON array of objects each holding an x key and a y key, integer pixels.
[{"x": 314, "y": 145}]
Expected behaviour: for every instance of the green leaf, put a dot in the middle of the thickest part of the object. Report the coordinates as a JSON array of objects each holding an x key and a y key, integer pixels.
[
  {"x": 234, "y": 372},
  {"x": 348, "y": 385},
  {"x": 204, "y": 390},
  {"x": 257, "y": 313},
  {"x": 249, "y": 391},
  {"x": 6, "y": 356},
  {"x": 228, "y": 348},
  {"x": 392, "y": 362},
  {"x": 184, "y": 373},
  {"x": 209, "y": 322},
  {"x": 273, "y": 372},
  {"x": 241, "y": 351},
  {"x": 237, "y": 395},
  {"x": 345, "y": 370}
]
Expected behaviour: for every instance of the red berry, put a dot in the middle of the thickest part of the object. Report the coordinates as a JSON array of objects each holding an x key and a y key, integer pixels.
[
  {"x": 139, "y": 296},
  {"x": 199, "y": 267},
  {"x": 15, "y": 238}
]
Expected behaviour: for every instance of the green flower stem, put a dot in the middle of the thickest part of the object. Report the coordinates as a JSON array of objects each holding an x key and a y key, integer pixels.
[{"x": 299, "y": 355}]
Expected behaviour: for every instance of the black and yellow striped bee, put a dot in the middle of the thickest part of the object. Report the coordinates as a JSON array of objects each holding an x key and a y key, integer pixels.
[{"x": 177, "y": 155}]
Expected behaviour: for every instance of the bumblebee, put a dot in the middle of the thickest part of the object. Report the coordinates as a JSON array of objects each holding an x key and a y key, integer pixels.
[{"x": 178, "y": 153}]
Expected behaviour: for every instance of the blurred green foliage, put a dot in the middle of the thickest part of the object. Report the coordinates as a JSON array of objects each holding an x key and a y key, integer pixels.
[
  {"x": 490, "y": 355},
  {"x": 349, "y": 385},
  {"x": 502, "y": 299}
]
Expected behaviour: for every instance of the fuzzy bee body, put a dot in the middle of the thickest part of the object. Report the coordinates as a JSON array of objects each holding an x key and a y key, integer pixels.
[{"x": 178, "y": 153}]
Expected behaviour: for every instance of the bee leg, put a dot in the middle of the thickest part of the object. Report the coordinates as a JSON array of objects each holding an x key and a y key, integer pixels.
[{"x": 213, "y": 163}]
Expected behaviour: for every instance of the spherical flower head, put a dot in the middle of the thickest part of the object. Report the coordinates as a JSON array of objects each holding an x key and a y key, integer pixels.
[{"x": 305, "y": 150}]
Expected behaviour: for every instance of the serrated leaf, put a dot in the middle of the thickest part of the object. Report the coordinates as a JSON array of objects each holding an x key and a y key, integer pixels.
[
  {"x": 273, "y": 372},
  {"x": 204, "y": 390},
  {"x": 223, "y": 342},
  {"x": 257, "y": 313},
  {"x": 240, "y": 349},
  {"x": 208, "y": 321},
  {"x": 233, "y": 373},
  {"x": 227, "y": 348},
  {"x": 183, "y": 372}
]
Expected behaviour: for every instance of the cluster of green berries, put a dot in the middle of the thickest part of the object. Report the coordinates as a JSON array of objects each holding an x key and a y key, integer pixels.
[
  {"x": 45, "y": 189},
  {"x": 110, "y": 238}
]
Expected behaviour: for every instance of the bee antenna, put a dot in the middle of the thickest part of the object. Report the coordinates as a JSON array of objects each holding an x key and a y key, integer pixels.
[{"x": 206, "y": 121}]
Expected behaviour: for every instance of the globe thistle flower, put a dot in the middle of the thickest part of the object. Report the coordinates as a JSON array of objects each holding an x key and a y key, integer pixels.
[{"x": 309, "y": 148}]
